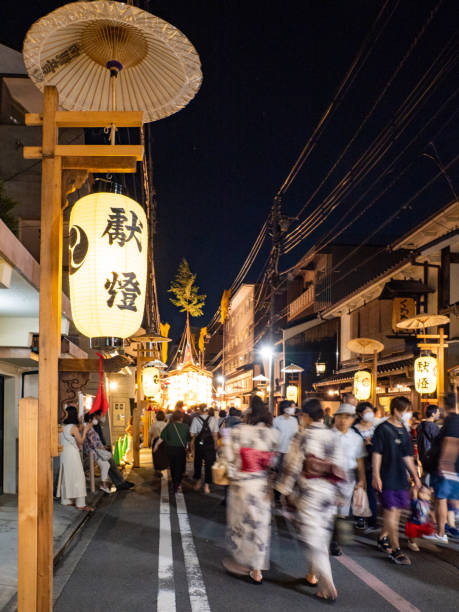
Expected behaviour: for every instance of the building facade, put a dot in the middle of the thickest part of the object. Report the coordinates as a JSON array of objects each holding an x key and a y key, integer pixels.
[
  {"x": 424, "y": 280},
  {"x": 238, "y": 347}
]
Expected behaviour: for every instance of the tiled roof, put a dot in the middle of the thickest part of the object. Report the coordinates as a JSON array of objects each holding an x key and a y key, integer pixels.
[{"x": 395, "y": 366}]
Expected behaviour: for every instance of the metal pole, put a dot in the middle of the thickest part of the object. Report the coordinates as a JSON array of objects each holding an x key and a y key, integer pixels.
[{"x": 375, "y": 378}]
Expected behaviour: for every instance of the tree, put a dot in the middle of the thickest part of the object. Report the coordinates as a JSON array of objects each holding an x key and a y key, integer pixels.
[
  {"x": 186, "y": 296},
  {"x": 6, "y": 207}
]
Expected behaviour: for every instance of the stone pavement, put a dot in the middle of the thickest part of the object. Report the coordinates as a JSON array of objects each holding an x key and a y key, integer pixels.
[{"x": 67, "y": 520}]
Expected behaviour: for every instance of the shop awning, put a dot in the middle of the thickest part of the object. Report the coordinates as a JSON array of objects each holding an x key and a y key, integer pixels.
[{"x": 404, "y": 288}]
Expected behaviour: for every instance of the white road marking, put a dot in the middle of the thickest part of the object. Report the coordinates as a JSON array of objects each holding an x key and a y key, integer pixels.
[
  {"x": 166, "y": 588},
  {"x": 196, "y": 586}
]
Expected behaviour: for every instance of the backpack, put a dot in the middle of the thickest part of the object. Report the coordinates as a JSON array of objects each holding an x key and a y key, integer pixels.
[
  {"x": 423, "y": 443},
  {"x": 426, "y": 449},
  {"x": 205, "y": 438}
]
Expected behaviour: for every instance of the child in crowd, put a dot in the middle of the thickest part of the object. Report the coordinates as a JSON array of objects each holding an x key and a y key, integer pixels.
[{"x": 419, "y": 523}]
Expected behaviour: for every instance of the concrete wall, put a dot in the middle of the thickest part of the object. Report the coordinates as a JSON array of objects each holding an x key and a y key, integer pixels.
[{"x": 13, "y": 381}]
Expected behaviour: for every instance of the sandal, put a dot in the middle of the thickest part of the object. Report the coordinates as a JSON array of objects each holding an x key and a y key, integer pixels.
[
  {"x": 399, "y": 558},
  {"x": 384, "y": 545},
  {"x": 85, "y": 508}
]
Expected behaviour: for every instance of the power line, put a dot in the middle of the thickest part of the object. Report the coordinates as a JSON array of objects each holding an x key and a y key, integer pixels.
[
  {"x": 384, "y": 140},
  {"x": 246, "y": 266},
  {"x": 387, "y": 222},
  {"x": 378, "y": 148},
  {"x": 379, "y": 98},
  {"x": 334, "y": 232},
  {"x": 350, "y": 76}
]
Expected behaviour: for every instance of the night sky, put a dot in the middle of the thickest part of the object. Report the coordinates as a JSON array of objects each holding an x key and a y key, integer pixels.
[{"x": 270, "y": 69}]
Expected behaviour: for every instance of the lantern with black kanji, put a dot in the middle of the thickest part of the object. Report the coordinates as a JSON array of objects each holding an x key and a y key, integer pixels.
[
  {"x": 362, "y": 385},
  {"x": 108, "y": 243},
  {"x": 425, "y": 374},
  {"x": 151, "y": 380}
]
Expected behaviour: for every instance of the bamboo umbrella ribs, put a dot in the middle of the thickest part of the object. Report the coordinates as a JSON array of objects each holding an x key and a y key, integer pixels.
[
  {"x": 105, "y": 55},
  {"x": 421, "y": 321}
]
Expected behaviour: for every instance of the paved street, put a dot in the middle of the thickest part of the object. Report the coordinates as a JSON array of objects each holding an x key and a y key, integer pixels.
[{"x": 145, "y": 550}]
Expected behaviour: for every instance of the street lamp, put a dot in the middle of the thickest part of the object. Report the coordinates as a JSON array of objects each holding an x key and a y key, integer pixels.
[
  {"x": 267, "y": 352},
  {"x": 321, "y": 367}
]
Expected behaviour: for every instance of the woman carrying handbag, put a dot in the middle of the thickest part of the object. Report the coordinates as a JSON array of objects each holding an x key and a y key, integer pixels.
[
  {"x": 176, "y": 434},
  {"x": 160, "y": 457}
]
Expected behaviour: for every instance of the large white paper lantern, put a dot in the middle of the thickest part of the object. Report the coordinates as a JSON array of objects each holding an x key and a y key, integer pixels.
[
  {"x": 108, "y": 245},
  {"x": 362, "y": 385},
  {"x": 425, "y": 374}
]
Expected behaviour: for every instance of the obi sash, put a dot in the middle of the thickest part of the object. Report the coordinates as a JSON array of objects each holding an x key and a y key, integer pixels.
[{"x": 255, "y": 460}]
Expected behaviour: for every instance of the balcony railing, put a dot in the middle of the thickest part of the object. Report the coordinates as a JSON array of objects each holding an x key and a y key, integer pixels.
[{"x": 304, "y": 301}]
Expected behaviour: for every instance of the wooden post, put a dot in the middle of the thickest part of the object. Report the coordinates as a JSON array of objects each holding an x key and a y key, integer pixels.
[
  {"x": 441, "y": 366},
  {"x": 50, "y": 341},
  {"x": 139, "y": 398},
  {"x": 36, "y": 593},
  {"x": 92, "y": 482},
  {"x": 375, "y": 378},
  {"x": 27, "y": 505}
]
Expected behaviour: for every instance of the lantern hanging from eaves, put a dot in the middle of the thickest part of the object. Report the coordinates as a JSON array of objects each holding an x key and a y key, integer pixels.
[
  {"x": 425, "y": 374},
  {"x": 108, "y": 243},
  {"x": 362, "y": 385},
  {"x": 151, "y": 380}
]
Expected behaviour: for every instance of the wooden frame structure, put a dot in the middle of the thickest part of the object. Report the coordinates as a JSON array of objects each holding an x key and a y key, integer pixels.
[
  {"x": 38, "y": 431},
  {"x": 427, "y": 343}
]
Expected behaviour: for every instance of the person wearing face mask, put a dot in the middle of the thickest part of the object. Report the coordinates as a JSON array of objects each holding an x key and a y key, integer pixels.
[
  {"x": 365, "y": 427},
  {"x": 392, "y": 458},
  {"x": 115, "y": 475},
  {"x": 287, "y": 426},
  {"x": 353, "y": 451}
]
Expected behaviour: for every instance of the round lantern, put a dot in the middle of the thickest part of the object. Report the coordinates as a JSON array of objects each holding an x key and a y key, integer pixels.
[
  {"x": 291, "y": 393},
  {"x": 425, "y": 374},
  {"x": 151, "y": 380},
  {"x": 362, "y": 385},
  {"x": 108, "y": 243}
]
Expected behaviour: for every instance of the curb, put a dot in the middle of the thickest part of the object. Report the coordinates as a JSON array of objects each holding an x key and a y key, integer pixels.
[
  {"x": 73, "y": 530},
  {"x": 67, "y": 537}
]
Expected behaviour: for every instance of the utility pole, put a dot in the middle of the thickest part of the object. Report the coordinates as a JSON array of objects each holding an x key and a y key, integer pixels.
[{"x": 273, "y": 277}]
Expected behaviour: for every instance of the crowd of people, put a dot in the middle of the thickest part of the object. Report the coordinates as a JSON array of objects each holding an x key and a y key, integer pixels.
[
  {"x": 85, "y": 434},
  {"x": 327, "y": 473}
]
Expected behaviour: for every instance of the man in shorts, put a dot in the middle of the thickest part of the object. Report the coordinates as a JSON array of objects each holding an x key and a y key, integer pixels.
[
  {"x": 392, "y": 457},
  {"x": 445, "y": 471}
]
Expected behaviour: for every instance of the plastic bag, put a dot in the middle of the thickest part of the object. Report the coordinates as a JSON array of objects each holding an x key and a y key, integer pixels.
[{"x": 360, "y": 505}]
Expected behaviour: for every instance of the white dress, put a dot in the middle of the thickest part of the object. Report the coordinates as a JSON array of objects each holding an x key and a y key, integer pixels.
[{"x": 72, "y": 483}]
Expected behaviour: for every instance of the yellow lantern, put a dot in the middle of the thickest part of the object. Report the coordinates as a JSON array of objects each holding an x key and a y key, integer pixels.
[
  {"x": 362, "y": 385},
  {"x": 425, "y": 374},
  {"x": 151, "y": 380},
  {"x": 291, "y": 393},
  {"x": 108, "y": 245}
]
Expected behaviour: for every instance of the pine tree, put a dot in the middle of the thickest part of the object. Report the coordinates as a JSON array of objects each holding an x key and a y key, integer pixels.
[
  {"x": 6, "y": 207},
  {"x": 186, "y": 296}
]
